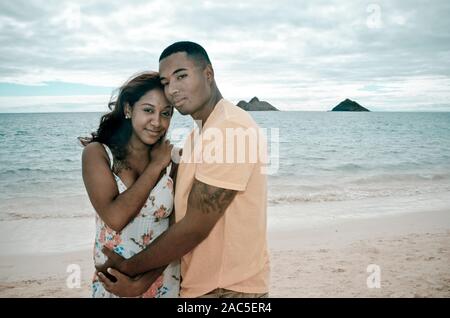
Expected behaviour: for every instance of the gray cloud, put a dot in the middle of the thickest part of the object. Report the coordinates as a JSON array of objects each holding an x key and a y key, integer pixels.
[{"x": 300, "y": 54}]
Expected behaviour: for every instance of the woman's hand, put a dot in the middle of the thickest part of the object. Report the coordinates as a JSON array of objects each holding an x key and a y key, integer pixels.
[{"x": 161, "y": 153}]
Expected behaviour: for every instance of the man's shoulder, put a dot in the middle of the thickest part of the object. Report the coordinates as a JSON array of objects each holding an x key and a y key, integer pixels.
[{"x": 234, "y": 116}]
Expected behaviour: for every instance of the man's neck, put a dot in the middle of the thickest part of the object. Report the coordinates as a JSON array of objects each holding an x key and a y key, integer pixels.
[{"x": 203, "y": 114}]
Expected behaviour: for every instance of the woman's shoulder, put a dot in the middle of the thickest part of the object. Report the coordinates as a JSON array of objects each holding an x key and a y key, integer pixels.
[
  {"x": 94, "y": 147},
  {"x": 94, "y": 150}
]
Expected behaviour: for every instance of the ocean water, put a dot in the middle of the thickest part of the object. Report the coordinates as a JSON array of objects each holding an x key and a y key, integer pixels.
[{"x": 331, "y": 165}]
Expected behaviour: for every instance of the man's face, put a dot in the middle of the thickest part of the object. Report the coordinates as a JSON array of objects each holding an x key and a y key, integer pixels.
[{"x": 186, "y": 83}]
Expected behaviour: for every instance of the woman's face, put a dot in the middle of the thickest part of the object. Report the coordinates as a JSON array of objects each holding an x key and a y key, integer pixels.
[{"x": 150, "y": 116}]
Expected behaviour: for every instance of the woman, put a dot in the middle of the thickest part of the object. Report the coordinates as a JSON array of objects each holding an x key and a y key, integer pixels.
[{"x": 128, "y": 173}]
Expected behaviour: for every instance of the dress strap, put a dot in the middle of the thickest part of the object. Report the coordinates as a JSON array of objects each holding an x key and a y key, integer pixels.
[
  {"x": 169, "y": 168},
  {"x": 110, "y": 155}
]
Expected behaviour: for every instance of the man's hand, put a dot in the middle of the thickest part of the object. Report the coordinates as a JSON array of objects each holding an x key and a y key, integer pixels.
[
  {"x": 113, "y": 260},
  {"x": 123, "y": 286}
]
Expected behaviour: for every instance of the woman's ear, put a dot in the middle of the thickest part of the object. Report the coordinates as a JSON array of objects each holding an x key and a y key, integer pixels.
[{"x": 127, "y": 111}]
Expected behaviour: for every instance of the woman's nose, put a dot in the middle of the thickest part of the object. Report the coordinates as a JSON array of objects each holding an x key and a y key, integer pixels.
[{"x": 155, "y": 121}]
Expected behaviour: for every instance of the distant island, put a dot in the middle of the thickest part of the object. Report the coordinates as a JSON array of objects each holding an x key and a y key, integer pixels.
[
  {"x": 349, "y": 106},
  {"x": 256, "y": 105}
]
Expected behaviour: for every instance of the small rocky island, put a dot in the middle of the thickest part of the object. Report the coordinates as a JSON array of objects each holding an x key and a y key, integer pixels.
[
  {"x": 349, "y": 106},
  {"x": 256, "y": 105}
]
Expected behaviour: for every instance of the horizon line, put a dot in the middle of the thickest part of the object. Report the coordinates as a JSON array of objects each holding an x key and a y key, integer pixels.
[{"x": 255, "y": 111}]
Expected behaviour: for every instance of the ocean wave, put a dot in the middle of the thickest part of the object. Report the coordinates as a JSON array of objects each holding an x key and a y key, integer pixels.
[
  {"x": 305, "y": 197},
  {"x": 19, "y": 171},
  {"x": 13, "y": 216},
  {"x": 353, "y": 193},
  {"x": 70, "y": 160},
  {"x": 314, "y": 158},
  {"x": 412, "y": 177},
  {"x": 348, "y": 167},
  {"x": 316, "y": 181}
]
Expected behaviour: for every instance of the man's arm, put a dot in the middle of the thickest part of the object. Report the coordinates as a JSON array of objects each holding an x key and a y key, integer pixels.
[{"x": 206, "y": 205}]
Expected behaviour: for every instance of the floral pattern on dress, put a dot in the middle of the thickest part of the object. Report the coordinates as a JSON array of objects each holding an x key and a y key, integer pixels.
[
  {"x": 162, "y": 212},
  {"x": 150, "y": 222}
]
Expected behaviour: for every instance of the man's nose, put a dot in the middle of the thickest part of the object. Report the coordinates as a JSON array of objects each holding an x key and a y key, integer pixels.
[{"x": 172, "y": 89}]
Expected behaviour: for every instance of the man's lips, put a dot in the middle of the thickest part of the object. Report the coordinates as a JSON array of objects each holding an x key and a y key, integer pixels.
[{"x": 178, "y": 101}]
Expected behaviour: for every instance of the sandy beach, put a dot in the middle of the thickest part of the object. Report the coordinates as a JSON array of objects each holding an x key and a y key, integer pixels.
[
  {"x": 412, "y": 252},
  {"x": 330, "y": 119}
]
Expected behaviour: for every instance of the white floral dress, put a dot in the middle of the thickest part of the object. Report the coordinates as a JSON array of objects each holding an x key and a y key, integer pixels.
[{"x": 151, "y": 221}]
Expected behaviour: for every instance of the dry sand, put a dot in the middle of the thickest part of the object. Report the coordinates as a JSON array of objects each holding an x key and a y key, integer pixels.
[{"x": 411, "y": 250}]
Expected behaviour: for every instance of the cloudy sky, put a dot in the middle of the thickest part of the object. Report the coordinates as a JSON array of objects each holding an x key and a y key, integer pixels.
[{"x": 298, "y": 55}]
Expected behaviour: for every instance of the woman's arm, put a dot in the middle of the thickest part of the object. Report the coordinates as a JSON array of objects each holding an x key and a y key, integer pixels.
[{"x": 118, "y": 209}]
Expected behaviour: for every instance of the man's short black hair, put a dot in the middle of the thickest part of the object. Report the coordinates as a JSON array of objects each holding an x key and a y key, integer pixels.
[{"x": 193, "y": 50}]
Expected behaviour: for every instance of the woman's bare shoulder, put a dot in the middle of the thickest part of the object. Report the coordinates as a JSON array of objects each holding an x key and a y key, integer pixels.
[{"x": 94, "y": 151}]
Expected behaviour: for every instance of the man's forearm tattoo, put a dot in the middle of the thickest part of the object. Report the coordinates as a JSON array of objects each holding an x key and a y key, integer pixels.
[{"x": 209, "y": 198}]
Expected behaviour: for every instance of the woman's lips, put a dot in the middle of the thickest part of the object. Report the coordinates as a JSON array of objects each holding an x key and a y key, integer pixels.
[{"x": 153, "y": 132}]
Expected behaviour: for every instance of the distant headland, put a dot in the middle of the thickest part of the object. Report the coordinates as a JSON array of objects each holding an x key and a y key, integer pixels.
[
  {"x": 256, "y": 105},
  {"x": 349, "y": 106}
]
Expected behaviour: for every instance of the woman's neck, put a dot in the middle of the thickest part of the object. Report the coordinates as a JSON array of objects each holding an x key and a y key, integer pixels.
[{"x": 136, "y": 148}]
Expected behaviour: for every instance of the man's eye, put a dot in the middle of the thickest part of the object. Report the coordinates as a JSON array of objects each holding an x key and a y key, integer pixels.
[
  {"x": 164, "y": 83},
  {"x": 181, "y": 76}
]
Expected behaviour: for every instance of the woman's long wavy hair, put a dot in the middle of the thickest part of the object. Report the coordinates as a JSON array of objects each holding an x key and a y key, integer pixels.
[{"x": 115, "y": 130}]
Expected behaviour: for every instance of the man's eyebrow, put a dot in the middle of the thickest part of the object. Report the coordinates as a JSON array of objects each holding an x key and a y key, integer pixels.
[
  {"x": 179, "y": 70},
  {"x": 176, "y": 71}
]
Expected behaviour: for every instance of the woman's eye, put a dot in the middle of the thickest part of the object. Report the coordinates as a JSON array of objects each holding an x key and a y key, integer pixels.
[
  {"x": 148, "y": 110},
  {"x": 166, "y": 114}
]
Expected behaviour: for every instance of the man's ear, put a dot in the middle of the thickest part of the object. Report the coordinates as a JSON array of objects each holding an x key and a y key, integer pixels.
[{"x": 209, "y": 73}]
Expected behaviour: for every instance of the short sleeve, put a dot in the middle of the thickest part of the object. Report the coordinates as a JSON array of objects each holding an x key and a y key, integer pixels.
[{"x": 228, "y": 156}]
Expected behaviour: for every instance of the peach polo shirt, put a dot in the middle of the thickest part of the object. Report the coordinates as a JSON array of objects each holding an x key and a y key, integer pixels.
[{"x": 234, "y": 256}]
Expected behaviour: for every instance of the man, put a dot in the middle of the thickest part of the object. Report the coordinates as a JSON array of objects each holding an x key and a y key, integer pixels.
[{"x": 220, "y": 205}]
